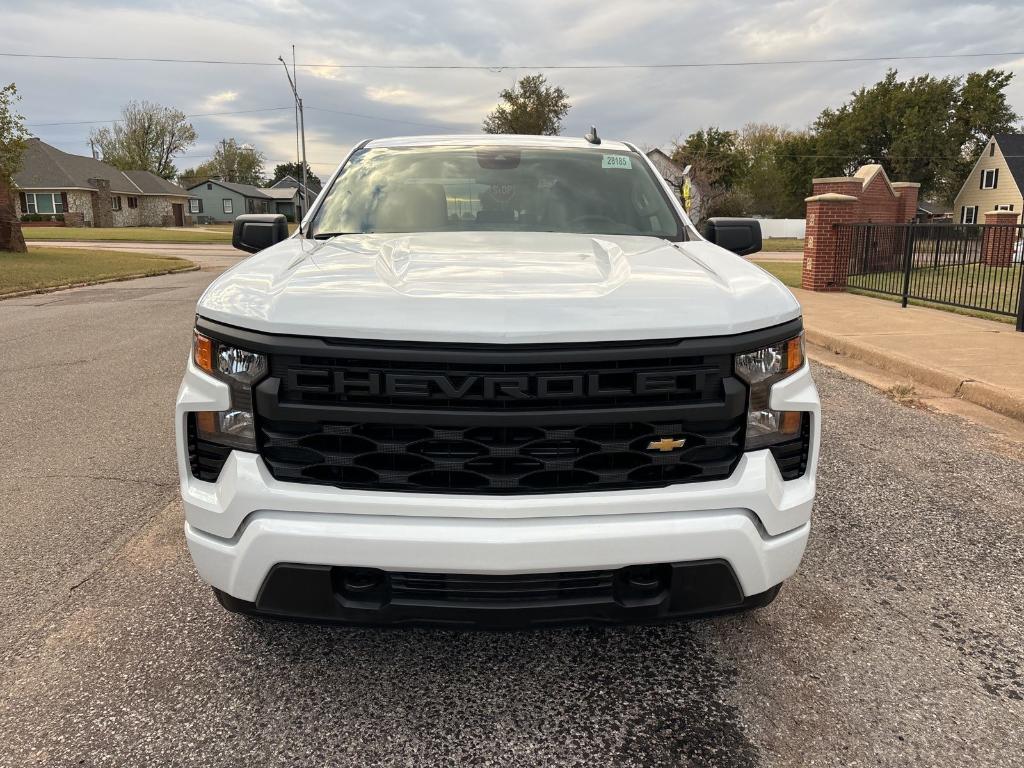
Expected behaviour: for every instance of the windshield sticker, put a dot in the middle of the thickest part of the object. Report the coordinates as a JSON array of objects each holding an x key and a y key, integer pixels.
[{"x": 616, "y": 161}]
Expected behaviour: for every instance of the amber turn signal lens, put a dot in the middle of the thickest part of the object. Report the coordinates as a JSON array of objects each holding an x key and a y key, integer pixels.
[
  {"x": 790, "y": 423},
  {"x": 794, "y": 353},
  {"x": 202, "y": 352},
  {"x": 206, "y": 422}
]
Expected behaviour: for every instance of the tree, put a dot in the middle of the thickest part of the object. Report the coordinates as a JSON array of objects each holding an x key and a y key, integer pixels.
[
  {"x": 12, "y": 144},
  {"x": 779, "y": 166},
  {"x": 531, "y": 107},
  {"x": 797, "y": 164},
  {"x": 924, "y": 129},
  {"x": 716, "y": 165},
  {"x": 146, "y": 138},
  {"x": 232, "y": 162},
  {"x": 295, "y": 171}
]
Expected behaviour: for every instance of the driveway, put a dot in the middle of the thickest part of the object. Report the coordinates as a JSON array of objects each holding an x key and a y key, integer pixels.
[{"x": 899, "y": 642}]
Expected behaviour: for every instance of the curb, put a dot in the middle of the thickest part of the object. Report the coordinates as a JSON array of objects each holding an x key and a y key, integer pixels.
[
  {"x": 119, "y": 279},
  {"x": 978, "y": 392}
]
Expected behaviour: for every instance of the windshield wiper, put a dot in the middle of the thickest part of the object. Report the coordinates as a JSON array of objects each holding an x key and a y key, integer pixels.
[{"x": 329, "y": 235}]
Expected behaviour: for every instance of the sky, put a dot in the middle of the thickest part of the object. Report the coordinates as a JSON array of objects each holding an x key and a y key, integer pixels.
[{"x": 651, "y": 107}]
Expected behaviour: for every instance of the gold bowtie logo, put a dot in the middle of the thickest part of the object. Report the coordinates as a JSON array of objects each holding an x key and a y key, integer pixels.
[{"x": 666, "y": 444}]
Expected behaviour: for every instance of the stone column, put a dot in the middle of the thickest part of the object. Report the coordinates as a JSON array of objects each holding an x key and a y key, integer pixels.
[
  {"x": 825, "y": 263},
  {"x": 102, "y": 215},
  {"x": 999, "y": 238}
]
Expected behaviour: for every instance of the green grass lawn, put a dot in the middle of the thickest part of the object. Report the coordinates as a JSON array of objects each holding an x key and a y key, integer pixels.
[
  {"x": 136, "y": 234},
  {"x": 204, "y": 233},
  {"x": 787, "y": 271},
  {"x": 782, "y": 244},
  {"x": 973, "y": 283},
  {"x": 50, "y": 267}
]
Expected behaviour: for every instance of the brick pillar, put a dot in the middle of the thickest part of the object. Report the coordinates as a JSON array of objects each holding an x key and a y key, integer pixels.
[
  {"x": 825, "y": 265},
  {"x": 908, "y": 192},
  {"x": 102, "y": 215},
  {"x": 840, "y": 185},
  {"x": 998, "y": 241}
]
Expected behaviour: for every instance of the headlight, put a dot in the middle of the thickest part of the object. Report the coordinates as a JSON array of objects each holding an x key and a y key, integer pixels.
[
  {"x": 760, "y": 369},
  {"x": 241, "y": 370}
]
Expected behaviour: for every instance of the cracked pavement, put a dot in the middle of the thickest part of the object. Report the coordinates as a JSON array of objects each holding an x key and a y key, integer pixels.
[{"x": 899, "y": 642}]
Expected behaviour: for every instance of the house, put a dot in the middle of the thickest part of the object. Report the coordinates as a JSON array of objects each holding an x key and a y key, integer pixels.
[
  {"x": 82, "y": 191},
  {"x": 669, "y": 171},
  {"x": 222, "y": 201},
  {"x": 308, "y": 195},
  {"x": 996, "y": 182},
  {"x": 291, "y": 181},
  {"x": 287, "y": 200},
  {"x": 679, "y": 179},
  {"x": 930, "y": 212}
]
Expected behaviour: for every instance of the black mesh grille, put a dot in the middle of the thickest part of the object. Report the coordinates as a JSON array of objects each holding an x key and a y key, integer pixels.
[
  {"x": 792, "y": 456},
  {"x": 499, "y": 459},
  {"x": 474, "y": 588},
  {"x": 205, "y": 459}
]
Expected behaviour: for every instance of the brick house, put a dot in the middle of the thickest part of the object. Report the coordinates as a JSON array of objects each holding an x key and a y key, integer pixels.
[
  {"x": 88, "y": 192},
  {"x": 996, "y": 183}
]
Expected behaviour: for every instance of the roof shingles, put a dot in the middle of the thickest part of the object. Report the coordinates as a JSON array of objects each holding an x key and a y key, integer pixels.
[
  {"x": 1012, "y": 147},
  {"x": 46, "y": 167}
]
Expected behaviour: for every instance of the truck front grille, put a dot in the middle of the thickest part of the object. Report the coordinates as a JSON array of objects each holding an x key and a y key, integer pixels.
[
  {"x": 499, "y": 459},
  {"x": 500, "y": 419},
  {"x": 477, "y": 588}
]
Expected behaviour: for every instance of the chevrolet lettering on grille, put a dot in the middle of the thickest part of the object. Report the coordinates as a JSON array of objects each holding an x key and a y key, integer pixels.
[{"x": 493, "y": 387}]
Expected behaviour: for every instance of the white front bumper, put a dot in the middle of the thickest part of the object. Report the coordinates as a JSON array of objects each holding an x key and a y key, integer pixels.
[{"x": 246, "y": 522}]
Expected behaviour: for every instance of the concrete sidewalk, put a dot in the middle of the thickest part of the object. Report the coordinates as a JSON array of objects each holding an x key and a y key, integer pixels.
[{"x": 981, "y": 361}]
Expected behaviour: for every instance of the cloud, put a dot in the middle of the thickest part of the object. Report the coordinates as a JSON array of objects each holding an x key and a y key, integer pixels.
[
  {"x": 347, "y": 104},
  {"x": 215, "y": 100}
]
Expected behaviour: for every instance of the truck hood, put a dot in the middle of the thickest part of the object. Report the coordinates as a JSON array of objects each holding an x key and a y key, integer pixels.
[{"x": 497, "y": 287}]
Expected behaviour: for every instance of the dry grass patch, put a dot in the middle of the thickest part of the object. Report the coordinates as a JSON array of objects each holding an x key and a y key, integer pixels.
[{"x": 52, "y": 267}]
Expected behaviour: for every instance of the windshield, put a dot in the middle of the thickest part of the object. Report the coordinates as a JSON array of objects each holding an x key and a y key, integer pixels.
[{"x": 496, "y": 188}]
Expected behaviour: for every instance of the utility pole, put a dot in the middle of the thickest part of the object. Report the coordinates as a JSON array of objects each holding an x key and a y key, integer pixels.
[{"x": 300, "y": 130}]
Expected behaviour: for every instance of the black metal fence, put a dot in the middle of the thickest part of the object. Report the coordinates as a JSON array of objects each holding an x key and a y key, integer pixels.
[{"x": 978, "y": 267}]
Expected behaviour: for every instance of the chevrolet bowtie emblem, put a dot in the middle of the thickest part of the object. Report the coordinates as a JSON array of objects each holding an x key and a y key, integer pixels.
[{"x": 666, "y": 444}]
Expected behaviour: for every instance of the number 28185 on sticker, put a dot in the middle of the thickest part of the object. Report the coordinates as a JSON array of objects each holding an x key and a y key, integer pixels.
[{"x": 616, "y": 161}]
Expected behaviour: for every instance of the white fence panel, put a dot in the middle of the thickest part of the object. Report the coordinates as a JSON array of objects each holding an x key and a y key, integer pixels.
[{"x": 782, "y": 227}]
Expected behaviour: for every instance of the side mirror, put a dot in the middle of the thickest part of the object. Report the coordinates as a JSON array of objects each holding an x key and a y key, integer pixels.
[
  {"x": 255, "y": 231},
  {"x": 741, "y": 236}
]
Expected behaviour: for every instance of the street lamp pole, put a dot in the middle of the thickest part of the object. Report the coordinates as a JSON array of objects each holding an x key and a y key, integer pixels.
[{"x": 300, "y": 130}]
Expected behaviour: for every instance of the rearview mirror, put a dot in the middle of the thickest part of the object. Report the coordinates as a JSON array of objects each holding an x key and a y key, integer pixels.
[
  {"x": 741, "y": 236},
  {"x": 255, "y": 231}
]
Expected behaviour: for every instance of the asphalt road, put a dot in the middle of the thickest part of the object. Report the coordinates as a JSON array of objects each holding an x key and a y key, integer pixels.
[{"x": 900, "y": 641}]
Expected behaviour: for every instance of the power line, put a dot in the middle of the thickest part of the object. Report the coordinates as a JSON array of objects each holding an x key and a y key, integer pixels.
[
  {"x": 503, "y": 67},
  {"x": 118, "y": 119},
  {"x": 249, "y": 111}
]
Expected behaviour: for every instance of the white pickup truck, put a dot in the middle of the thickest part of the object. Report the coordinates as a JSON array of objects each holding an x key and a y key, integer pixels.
[{"x": 498, "y": 381}]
